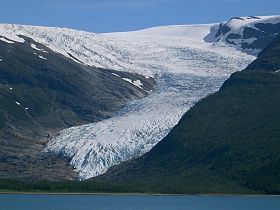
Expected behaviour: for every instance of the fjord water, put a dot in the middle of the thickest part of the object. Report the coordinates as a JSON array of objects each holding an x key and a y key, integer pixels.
[{"x": 133, "y": 202}]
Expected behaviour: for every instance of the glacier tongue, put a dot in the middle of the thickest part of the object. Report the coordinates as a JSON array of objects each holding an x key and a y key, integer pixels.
[
  {"x": 186, "y": 69},
  {"x": 135, "y": 129}
]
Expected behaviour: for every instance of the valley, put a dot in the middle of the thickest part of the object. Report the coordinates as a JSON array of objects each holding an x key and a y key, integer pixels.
[{"x": 187, "y": 63}]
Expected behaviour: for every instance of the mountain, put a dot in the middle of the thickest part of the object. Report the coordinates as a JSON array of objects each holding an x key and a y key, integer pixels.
[
  {"x": 42, "y": 92},
  {"x": 227, "y": 143},
  {"x": 249, "y": 34},
  {"x": 96, "y": 125}
]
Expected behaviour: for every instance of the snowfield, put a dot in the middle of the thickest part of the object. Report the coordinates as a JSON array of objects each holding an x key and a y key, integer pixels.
[{"x": 185, "y": 67}]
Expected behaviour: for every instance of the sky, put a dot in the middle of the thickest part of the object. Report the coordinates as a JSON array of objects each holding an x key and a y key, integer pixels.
[{"x": 126, "y": 15}]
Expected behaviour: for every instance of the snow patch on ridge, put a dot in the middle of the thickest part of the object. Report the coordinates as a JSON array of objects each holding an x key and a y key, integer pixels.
[
  {"x": 6, "y": 40},
  {"x": 36, "y": 48},
  {"x": 7, "y": 30},
  {"x": 40, "y": 56},
  {"x": 137, "y": 83},
  {"x": 116, "y": 75}
]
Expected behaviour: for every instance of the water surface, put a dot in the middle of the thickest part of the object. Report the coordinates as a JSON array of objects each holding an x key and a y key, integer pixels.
[{"x": 131, "y": 202}]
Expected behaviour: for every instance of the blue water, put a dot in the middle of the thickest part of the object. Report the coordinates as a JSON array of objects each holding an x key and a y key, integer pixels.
[{"x": 108, "y": 202}]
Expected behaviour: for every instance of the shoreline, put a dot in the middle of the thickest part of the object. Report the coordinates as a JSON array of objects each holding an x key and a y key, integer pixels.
[{"x": 133, "y": 194}]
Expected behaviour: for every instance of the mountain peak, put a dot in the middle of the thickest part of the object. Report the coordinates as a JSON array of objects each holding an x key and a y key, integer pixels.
[{"x": 250, "y": 34}]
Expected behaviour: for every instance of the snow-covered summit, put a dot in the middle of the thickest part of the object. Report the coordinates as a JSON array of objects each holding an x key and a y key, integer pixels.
[
  {"x": 236, "y": 23},
  {"x": 193, "y": 32},
  {"x": 250, "y": 34}
]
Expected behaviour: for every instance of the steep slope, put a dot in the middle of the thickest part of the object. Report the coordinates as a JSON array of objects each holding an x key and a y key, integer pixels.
[
  {"x": 227, "y": 143},
  {"x": 42, "y": 92}
]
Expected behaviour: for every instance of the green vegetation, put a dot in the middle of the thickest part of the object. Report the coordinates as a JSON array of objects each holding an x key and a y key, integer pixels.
[
  {"x": 45, "y": 186},
  {"x": 17, "y": 185},
  {"x": 229, "y": 142}
]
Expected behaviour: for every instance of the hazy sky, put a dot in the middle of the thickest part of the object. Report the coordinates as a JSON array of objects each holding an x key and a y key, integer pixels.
[{"x": 124, "y": 15}]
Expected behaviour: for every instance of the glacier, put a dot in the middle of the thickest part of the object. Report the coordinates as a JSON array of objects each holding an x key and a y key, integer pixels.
[{"x": 186, "y": 69}]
